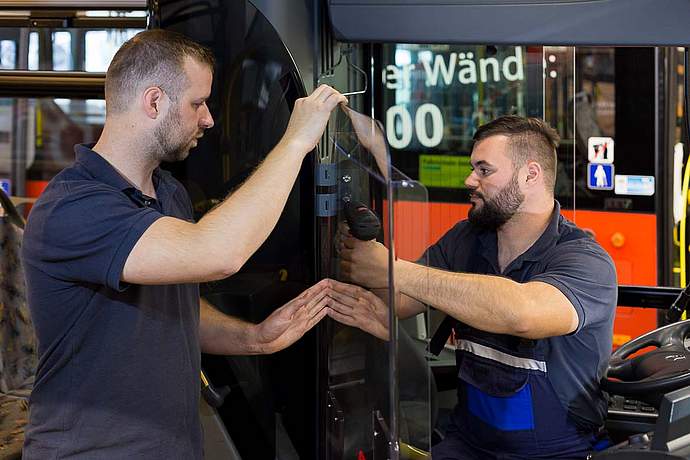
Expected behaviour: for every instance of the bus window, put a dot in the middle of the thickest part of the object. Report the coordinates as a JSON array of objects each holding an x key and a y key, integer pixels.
[
  {"x": 101, "y": 46},
  {"x": 62, "y": 51},
  {"x": 37, "y": 135},
  {"x": 37, "y": 138}
]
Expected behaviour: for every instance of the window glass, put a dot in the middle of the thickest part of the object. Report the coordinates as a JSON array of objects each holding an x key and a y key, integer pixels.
[
  {"x": 33, "y": 51},
  {"x": 101, "y": 46},
  {"x": 105, "y": 13},
  {"x": 62, "y": 51},
  {"x": 8, "y": 54},
  {"x": 435, "y": 96}
]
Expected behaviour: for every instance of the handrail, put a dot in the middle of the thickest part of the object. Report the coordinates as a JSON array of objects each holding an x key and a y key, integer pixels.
[{"x": 43, "y": 83}]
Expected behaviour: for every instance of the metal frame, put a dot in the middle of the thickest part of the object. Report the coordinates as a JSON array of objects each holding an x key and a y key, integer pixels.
[
  {"x": 67, "y": 20},
  {"x": 74, "y": 4},
  {"x": 513, "y": 22}
]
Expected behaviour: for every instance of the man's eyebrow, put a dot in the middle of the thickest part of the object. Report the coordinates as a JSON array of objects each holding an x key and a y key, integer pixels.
[{"x": 480, "y": 163}]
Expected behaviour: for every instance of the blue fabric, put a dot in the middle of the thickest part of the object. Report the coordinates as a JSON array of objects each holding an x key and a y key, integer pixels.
[
  {"x": 118, "y": 372},
  {"x": 509, "y": 413}
]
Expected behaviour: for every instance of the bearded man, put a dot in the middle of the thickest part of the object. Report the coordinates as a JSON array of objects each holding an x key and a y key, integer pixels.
[
  {"x": 113, "y": 259},
  {"x": 531, "y": 298}
]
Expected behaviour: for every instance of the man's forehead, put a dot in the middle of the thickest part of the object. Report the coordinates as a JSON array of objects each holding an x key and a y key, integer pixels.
[
  {"x": 199, "y": 76},
  {"x": 491, "y": 150}
]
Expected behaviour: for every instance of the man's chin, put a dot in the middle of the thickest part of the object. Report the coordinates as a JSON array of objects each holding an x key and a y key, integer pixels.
[{"x": 179, "y": 155}]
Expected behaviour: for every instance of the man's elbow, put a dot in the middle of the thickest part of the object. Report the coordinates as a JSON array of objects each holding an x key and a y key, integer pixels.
[
  {"x": 522, "y": 327},
  {"x": 526, "y": 319},
  {"x": 228, "y": 269},
  {"x": 225, "y": 267}
]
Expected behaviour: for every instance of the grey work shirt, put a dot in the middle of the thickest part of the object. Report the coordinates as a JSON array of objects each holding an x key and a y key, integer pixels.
[
  {"x": 118, "y": 372},
  {"x": 580, "y": 268}
]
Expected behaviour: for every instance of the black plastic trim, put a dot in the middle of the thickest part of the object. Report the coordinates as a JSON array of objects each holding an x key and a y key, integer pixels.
[{"x": 525, "y": 22}]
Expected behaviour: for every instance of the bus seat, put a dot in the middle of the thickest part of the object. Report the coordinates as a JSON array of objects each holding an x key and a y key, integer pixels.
[{"x": 18, "y": 357}]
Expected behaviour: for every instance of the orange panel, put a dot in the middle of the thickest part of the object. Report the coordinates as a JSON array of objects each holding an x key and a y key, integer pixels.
[
  {"x": 35, "y": 187},
  {"x": 630, "y": 239}
]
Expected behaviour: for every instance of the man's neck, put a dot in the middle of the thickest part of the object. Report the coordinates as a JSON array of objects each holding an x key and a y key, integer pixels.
[
  {"x": 517, "y": 235},
  {"x": 129, "y": 158}
]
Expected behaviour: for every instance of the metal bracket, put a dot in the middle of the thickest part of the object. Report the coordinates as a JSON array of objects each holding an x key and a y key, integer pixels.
[
  {"x": 326, "y": 204},
  {"x": 325, "y": 174}
]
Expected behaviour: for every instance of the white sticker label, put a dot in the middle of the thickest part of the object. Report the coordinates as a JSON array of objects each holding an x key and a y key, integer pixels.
[
  {"x": 600, "y": 150},
  {"x": 634, "y": 185}
]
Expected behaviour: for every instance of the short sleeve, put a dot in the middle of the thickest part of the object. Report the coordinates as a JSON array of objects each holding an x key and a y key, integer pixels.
[
  {"x": 86, "y": 234},
  {"x": 585, "y": 274}
]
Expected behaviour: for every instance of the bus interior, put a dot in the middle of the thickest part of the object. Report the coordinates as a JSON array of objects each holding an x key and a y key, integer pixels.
[{"x": 420, "y": 79}]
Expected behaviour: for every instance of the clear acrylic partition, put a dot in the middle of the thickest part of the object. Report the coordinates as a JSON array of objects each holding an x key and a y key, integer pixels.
[
  {"x": 378, "y": 390},
  {"x": 616, "y": 110}
]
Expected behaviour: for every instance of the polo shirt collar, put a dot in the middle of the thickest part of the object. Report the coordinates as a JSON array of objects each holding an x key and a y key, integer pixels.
[
  {"x": 103, "y": 171},
  {"x": 548, "y": 238}
]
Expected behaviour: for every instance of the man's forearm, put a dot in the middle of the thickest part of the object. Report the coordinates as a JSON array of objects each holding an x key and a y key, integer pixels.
[
  {"x": 489, "y": 303},
  {"x": 405, "y": 305},
  {"x": 220, "y": 334}
]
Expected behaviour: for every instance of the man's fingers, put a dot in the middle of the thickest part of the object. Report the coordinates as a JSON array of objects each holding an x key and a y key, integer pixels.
[
  {"x": 342, "y": 308},
  {"x": 318, "y": 93},
  {"x": 311, "y": 308},
  {"x": 341, "y": 318},
  {"x": 349, "y": 242},
  {"x": 345, "y": 253},
  {"x": 345, "y": 299},
  {"x": 335, "y": 98},
  {"x": 315, "y": 319},
  {"x": 349, "y": 289},
  {"x": 313, "y": 290}
]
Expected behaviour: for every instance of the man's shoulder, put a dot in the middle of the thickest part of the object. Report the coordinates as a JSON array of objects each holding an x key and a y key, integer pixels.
[
  {"x": 71, "y": 187},
  {"x": 69, "y": 195},
  {"x": 572, "y": 236}
]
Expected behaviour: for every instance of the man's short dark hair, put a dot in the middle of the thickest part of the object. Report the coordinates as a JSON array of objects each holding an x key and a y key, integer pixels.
[
  {"x": 151, "y": 58},
  {"x": 530, "y": 139}
]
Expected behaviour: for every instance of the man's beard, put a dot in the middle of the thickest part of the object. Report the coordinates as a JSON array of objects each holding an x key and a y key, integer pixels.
[
  {"x": 498, "y": 210},
  {"x": 169, "y": 143}
]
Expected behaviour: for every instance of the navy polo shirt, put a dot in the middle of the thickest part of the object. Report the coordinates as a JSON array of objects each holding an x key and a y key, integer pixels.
[
  {"x": 118, "y": 372},
  {"x": 568, "y": 259}
]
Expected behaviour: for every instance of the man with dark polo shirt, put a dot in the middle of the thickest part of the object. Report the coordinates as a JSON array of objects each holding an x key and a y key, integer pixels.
[
  {"x": 112, "y": 259},
  {"x": 530, "y": 295}
]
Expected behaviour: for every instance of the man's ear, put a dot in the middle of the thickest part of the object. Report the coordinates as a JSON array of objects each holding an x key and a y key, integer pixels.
[
  {"x": 152, "y": 99},
  {"x": 534, "y": 172}
]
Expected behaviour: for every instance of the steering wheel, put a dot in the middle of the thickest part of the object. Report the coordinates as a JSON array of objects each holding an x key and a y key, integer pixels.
[{"x": 649, "y": 376}]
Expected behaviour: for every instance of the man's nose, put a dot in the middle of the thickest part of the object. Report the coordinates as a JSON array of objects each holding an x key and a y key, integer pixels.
[
  {"x": 206, "y": 121},
  {"x": 471, "y": 181}
]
